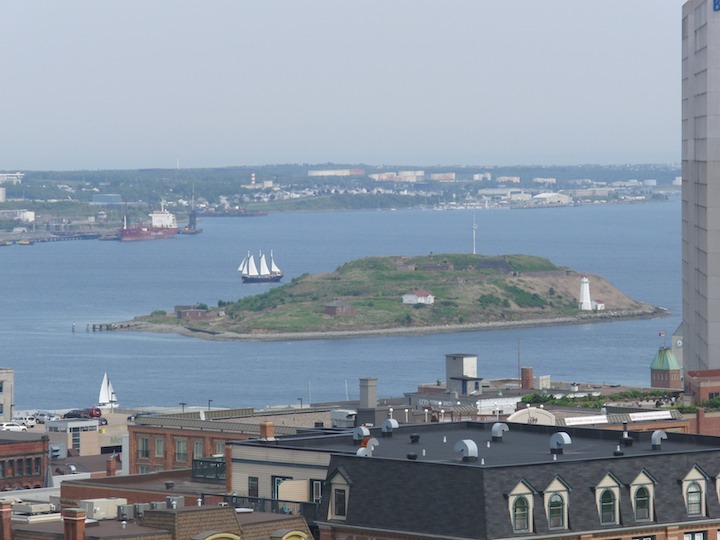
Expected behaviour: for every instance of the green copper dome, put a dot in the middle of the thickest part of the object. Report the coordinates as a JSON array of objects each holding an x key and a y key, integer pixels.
[{"x": 665, "y": 360}]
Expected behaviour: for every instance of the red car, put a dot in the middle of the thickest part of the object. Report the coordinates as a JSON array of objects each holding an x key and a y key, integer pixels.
[{"x": 94, "y": 412}]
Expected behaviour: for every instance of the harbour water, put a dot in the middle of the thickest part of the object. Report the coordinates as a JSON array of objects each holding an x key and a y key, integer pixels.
[{"x": 45, "y": 289}]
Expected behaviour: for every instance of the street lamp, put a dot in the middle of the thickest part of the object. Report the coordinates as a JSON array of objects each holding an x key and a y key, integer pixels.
[
  {"x": 406, "y": 416},
  {"x": 182, "y": 404},
  {"x": 300, "y": 400},
  {"x": 209, "y": 403}
]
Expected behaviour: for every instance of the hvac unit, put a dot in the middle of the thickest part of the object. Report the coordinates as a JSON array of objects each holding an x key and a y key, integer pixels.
[
  {"x": 174, "y": 502},
  {"x": 57, "y": 451},
  {"x": 140, "y": 509},
  {"x": 157, "y": 505},
  {"x": 126, "y": 511}
]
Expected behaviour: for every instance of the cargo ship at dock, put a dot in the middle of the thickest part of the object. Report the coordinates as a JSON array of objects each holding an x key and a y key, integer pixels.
[{"x": 162, "y": 225}]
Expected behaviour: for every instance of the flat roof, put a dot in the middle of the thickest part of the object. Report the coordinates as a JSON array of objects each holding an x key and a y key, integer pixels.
[{"x": 521, "y": 444}]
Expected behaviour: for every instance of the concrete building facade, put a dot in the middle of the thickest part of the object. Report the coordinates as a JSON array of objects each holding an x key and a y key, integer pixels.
[{"x": 701, "y": 184}]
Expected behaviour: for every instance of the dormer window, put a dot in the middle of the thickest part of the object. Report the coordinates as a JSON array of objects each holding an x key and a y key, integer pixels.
[
  {"x": 694, "y": 499},
  {"x": 339, "y": 503},
  {"x": 607, "y": 507},
  {"x": 520, "y": 514},
  {"x": 556, "y": 512},
  {"x": 642, "y": 504},
  {"x": 339, "y": 492}
]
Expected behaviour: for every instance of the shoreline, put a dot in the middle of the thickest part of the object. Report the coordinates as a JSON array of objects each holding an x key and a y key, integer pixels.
[{"x": 611, "y": 316}]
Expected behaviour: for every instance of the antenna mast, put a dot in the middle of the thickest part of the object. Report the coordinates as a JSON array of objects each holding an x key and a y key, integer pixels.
[{"x": 474, "y": 230}]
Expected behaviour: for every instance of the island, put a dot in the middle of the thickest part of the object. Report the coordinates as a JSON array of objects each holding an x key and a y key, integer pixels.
[{"x": 407, "y": 295}]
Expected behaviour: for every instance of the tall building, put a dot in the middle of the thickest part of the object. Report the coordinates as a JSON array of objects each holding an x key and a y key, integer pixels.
[{"x": 701, "y": 184}]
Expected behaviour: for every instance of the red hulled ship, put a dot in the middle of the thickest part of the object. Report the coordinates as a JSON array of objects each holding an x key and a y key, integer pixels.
[{"x": 162, "y": 225}]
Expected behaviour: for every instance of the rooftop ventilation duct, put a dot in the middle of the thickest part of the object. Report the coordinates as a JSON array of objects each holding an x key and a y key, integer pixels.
[
  {"x": 368, "y": 446},
  {"x": 388, "y": 426},
  {"x": 412, "y": 456},
  {"x": 359, "y": 433},
  {"x": 626, "y": 439},
  {"x": 467, "y": 449},
  {"x": 656, "y": 438},
  {"x": 497, "y": 431},
  {"x": 558, "y": 441},
  {"x": 414, "y": 438}
]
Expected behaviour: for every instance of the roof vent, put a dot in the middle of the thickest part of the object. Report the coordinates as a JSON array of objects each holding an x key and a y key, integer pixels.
[
  {"x": 359, "y": 433},
  {"x": 368, "y": 445},
  {"x": 414, "y": 438},
  {"x": 467, "y": 449},
  {"x": 618, "y": 451},
  {"x": 388, "y": 426},
  {"x": 626, "y": 439},
  {"x": 497, "y": 431},
  {"x": 657, "y": 436},
  {"x": 412, "y": 456},
  {"x": 558, "y": 441}
]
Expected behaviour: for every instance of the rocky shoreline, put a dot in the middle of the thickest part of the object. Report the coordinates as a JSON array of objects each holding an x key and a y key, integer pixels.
[{"x": 648, "y": 312}]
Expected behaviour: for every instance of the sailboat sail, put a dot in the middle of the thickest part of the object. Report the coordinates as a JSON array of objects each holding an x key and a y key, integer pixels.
[
  {"x": 251, "y": 268},
  {"x": 264, "y": 270},
  {"x": 273, "y": 267},
  {"x": 107, "y": 398}
]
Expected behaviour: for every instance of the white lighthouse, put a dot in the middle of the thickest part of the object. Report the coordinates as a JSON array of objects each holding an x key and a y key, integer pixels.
[{"x": 585, "y": 303}]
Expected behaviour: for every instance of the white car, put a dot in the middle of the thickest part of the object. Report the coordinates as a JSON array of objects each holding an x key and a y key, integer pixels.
[
  {"x": 12, "y": 426},
  {"x": 27, "y": 421}
]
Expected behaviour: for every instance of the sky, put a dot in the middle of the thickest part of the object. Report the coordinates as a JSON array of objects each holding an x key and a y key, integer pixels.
[{"x": 90, "y": 85}]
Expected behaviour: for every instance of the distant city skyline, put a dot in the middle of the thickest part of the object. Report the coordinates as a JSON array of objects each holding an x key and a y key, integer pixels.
[{"x": 123, "y": 85}]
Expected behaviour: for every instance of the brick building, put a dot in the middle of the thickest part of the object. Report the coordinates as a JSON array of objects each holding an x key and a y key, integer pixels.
[{"x": 23, "y": 460}]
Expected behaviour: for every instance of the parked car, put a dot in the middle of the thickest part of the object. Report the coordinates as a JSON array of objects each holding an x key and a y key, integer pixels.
[
  {"x": 94, "y": 412},
  {"x": 27, "y": 421},
  {"x": 77, "y": 413},
  {"x": 103, "y": 421},
  {"x": 12, "y": 426},
  {"x": 44, "y": 416}
]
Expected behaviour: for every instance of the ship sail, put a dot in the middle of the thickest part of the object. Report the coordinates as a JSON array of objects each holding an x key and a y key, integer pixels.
[
  {"x": 251, "y": 269},
  {"x": 274, "y": 270},
  {"x": 243, "y": 265},
  {"x": 107, "y": 398},
  {"x": 264, "y": 270}
]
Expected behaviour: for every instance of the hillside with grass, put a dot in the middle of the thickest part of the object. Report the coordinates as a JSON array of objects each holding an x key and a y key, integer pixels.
[{"x": 366, "y": 296}]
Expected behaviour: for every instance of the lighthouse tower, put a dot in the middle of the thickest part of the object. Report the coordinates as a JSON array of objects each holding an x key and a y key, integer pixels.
[{"x": 585, "y": 303}]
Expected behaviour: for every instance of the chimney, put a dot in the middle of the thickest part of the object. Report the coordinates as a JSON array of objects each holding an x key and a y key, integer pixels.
[
  {"x": 267, "y": 431},
  {"x": 526, "y": 378},
  {"x": 111, "y": 467},
  {"x": 74, "y": 520},
  {"x": 368, "y": 393},
  {"x": 6, "y": 512}
]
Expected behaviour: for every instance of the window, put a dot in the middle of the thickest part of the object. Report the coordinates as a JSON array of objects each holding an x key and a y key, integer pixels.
[
  {"x": 220, "y": 447},
  {"x": 37, "y": 465},
  {"x": 19, "y": 467},
  {"x": 197, "y": 448},
  {"x": 253, "y": 486},
  {"x": 28, "y": 467},
  {"x": 520, "y": 514},
  {"x": 143, "y": 469},
  {"x": 642, "y": 503},
  {"x": 643, "y": 538},
  {"x": 694, "y": 499},
  {"x": 316, "y": 494},
  {"x": 181, "y": 450},
  {"x": 701, "y": 535},
  {"x": 160, "y": 447},
  {"x": 276, "y": 481},
  {"x": 143, "y": 447},
  {"x": 339, "y": 509},
  {"x": 2, "y": 469},
  {"x": 556, "y": 512},
  {"x": 607, "y": 507}
]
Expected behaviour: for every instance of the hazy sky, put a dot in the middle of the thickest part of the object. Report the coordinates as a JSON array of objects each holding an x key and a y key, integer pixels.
[{"x": 132, "y": 84}]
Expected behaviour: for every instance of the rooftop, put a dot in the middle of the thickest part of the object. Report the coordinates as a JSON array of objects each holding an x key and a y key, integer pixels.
[{"x": 521, "y": 444}]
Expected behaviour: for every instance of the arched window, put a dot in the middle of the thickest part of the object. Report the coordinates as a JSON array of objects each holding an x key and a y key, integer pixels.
[
  {"x": 642, "y": 503},
  {"x": 607, "y": 507},
  {"x": 694, "y": 499},
  {"x": 520, "y": 514},
  {"x": 556, "y": 512}
]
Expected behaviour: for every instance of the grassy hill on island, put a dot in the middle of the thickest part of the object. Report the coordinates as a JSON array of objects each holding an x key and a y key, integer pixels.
[{"x": 468, "y": 290}]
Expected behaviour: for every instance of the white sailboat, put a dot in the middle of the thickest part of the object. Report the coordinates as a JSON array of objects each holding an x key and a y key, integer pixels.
[
  {"x": 107, "y": 398},
  {"x": 267, "y": 273}
]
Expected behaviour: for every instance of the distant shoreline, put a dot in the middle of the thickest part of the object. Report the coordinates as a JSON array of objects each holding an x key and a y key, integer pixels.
[{"x": 650, "y": 312}]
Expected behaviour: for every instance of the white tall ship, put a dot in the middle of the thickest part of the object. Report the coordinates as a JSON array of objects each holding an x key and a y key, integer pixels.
[{"x": 263, "y": 272}]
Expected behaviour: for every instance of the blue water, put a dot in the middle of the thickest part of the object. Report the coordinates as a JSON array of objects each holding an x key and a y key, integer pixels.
[{"x": 46, "y": 288}]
